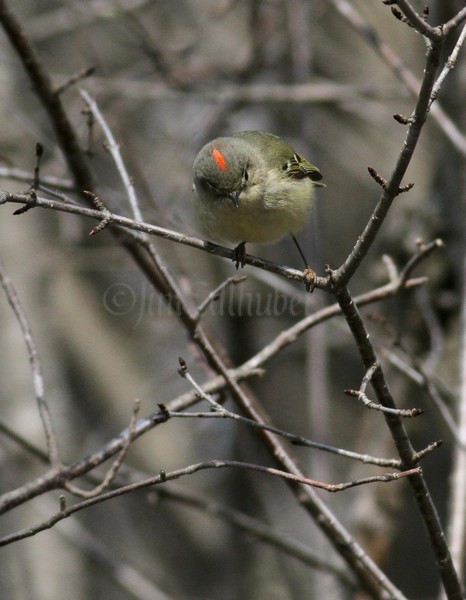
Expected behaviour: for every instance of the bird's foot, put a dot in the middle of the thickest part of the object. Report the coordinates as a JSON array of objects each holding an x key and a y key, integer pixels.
[
  {"x": 310, "y": 279},
  {"x": 238, "y": 254}
]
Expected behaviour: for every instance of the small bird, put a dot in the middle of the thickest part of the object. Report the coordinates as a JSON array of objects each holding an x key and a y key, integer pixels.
[{"x": 253, "y": 187}]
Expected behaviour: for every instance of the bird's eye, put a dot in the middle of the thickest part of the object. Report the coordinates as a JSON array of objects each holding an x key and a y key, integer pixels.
[{"x": 245, "y": 175}]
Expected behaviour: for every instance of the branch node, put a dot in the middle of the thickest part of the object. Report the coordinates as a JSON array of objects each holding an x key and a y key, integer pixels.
[
  {"x": 30, "y": 204},
  {"x": 165, "y": 414},
  {"x": 361, "y": 395},
  {"x": 100, "y": 206}
]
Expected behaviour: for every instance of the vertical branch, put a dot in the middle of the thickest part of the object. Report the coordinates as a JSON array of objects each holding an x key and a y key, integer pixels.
[
  {"x": 405, "y": 449},
  {"x": 37, "y": 378}
]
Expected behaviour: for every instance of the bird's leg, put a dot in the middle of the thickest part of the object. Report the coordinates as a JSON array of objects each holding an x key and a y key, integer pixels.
[
  {"x": 310, "y": 277},
  {"x": 239, "y": 253}
]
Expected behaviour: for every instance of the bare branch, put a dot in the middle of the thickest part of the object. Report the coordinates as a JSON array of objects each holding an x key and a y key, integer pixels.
[
  {"x": 215, "y": 294},
  {"x": 419, "y": 23},
  {"x": 449, "y": 66},
  {"x": 37, "y": 377},
  {"x": 25, "y": 177},
  {"x": 413, "y": 84},
  {"x": 220, "y": 411},
  {"x": 392, "y": 188},
  {"x": 400, "y": 437},
  {"x": 168, "y": 234},
  {"x": 190, "y": 470},
  {"x": 114, "y": 149},
  {"x": 113, "y": 471},
  {"x": 361, "y": 394},
  {"x": 83, "y": 74},
  {"x": 454, "y": 22}
]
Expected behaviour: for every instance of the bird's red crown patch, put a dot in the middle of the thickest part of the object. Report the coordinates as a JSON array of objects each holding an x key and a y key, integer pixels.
[{"x": 219, "y": 159}]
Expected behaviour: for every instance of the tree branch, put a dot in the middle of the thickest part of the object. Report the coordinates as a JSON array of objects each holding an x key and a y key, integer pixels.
[{"x": 36, "y": 368}]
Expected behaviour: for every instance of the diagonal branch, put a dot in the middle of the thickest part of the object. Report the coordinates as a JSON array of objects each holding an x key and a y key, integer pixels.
[
  {"x": 190, "y": 470},
  {"x": 405, "y": 449},
  {"x": 393, "y": 60},
  {"x": 344, "y": 273},
  {"x": 415, "y": 20}
]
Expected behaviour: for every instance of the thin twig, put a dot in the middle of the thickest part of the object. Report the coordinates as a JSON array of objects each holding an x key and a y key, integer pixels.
[
  {"x": 36, "y": 180},
  {"x": 125, "y": 222},
  {"x": 361, "y": 394},
  {"x": 25, "y": 177},
  {"x": 114, "y": 150},
  {"x": 82, "y": 74},
  {"x": 215, "y": 294},
  {"x": 24, "y": 443},
  {"x": 251, "y": 367},
  {"x": 36, "y": 368},
  {"x": 220, "y": 411},
  {"x": 413, "y": 84},
  {"x": 449, "y": 66},
  {"x": 420, "y": 24},
  {"x": 150, "y": 229},
  {"x": 190, "y": 470},
  {"x": 454, "y": 22},
  {"x": 112, "y": 472},
  {"x": 423, "y": 251},
  {"x": 343, "y": 274}
]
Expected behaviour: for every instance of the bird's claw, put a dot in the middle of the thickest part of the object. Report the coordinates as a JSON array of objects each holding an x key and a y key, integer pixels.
[
  {"x": 310, "y": 279},
  {"x": 239, "y": 254}
]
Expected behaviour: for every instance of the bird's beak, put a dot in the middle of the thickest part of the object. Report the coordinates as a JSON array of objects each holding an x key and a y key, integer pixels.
[{"x": 234, "y": 197}]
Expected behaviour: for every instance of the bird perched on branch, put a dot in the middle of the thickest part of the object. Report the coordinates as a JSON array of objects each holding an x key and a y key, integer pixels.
[{"x": 253, "y": 187}]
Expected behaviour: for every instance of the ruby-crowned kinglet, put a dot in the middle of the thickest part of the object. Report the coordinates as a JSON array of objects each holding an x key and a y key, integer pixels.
[{"x": 252, "y": 187}]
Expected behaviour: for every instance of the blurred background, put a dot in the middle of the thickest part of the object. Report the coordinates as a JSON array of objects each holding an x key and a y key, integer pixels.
[{"x": 168, "y": 77}]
